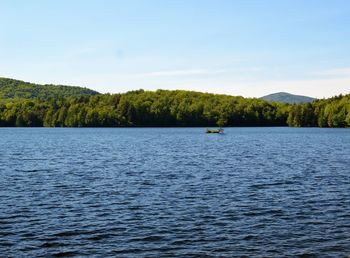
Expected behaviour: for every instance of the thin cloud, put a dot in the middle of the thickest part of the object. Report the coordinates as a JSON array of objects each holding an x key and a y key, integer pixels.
[
  {"x": 203, "y": 72},
  {"x": 343, "y": 72},
  {"x": 182, "y": 72}
]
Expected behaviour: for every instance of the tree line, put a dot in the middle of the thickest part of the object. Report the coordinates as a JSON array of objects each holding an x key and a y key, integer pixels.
[
  {"x": 144, "y": 108},
  {"x": 332, "y": 112},
  {"x": 171, "y": 108}
]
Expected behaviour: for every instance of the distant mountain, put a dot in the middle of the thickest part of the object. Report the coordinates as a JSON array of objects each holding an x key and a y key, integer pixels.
[
  {"x": 15, "y": 89},
  {"x": 287, "y": 98}
]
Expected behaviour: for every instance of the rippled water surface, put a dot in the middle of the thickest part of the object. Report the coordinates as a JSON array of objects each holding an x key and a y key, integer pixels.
[{"x": 254, "y": 192}]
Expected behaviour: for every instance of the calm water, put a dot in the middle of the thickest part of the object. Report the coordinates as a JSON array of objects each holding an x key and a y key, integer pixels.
[{"x": 257, "y": 192}]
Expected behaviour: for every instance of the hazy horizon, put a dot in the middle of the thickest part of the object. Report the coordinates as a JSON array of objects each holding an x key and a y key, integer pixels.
[
  {"x": 250, "y": 49},
  {"x": 122, "y": 92}
]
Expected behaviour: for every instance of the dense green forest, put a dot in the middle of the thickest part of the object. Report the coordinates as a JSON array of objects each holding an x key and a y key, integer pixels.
[
  {"x": 11, "y": 89},
  {"x": 144, "y": 108},
  {"x": 332, "y": 112},
  {"x": 46, "y": 105}
]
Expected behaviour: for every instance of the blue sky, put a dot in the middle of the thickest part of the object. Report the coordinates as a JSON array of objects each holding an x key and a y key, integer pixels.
[{"x": 249, "y": 48}]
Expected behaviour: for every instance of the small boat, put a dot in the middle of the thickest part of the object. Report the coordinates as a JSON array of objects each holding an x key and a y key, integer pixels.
[{"x": 220, "y": 130}]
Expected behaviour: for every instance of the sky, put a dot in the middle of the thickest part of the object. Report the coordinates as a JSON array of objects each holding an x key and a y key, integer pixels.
[{"x": 250, "y": 48}]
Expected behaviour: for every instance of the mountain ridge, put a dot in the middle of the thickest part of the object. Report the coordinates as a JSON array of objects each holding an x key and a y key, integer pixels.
[{"x": 289, "y": 98}]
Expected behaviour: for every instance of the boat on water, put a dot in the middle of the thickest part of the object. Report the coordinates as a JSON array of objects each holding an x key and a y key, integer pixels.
[{"x": 220, "y": 130}]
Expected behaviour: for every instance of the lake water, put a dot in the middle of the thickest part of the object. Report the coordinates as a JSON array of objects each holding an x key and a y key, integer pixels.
[{"x": 175, "y": 192}]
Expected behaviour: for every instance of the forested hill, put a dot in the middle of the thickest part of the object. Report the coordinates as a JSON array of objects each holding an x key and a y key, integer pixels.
[
  {"x": 26, "y": 104},
  {"x": 285, "y": 97},
  {"x": 144, "y": 108},
  {"x": 11, "y": 89}
]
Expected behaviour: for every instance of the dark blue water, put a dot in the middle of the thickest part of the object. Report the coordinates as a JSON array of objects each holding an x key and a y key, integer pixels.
[{"x": 254, "y": 192}]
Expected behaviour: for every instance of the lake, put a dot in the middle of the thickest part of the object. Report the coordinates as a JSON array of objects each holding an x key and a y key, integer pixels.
[{"x": 174, "y": 192}]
